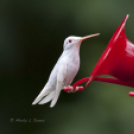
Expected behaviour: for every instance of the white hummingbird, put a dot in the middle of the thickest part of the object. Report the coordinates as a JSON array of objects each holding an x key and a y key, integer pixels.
[{"x": 63, "y": 72}]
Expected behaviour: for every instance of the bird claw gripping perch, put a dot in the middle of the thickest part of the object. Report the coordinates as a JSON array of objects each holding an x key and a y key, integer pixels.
[
  {"x": 117, "y": 60},
  {"x": 72, "y": 89}
]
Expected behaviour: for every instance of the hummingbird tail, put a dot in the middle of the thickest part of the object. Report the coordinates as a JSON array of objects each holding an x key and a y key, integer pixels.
[
  {"x": 47, "y": 98},
  {"x": 43, "y": 93}
]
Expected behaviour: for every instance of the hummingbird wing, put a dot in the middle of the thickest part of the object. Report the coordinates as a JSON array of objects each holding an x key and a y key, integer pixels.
[
  {"x": 61, "y": 74},
  {"x": 49, "y": 87}
]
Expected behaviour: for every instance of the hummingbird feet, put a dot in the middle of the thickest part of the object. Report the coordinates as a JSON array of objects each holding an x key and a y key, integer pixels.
[
  {"x": 71, "y": 89},
  {"x": 131, "y": 93}
]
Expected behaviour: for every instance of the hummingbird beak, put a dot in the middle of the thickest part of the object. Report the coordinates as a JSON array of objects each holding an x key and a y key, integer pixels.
[{"x": 89, "y": 36}]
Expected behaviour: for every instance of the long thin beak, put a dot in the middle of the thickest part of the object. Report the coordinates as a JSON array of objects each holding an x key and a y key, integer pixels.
[{"x": 89, "y": 36}]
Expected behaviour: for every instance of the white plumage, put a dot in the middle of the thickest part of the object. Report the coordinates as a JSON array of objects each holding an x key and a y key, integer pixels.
[{"x": 63, "y": 72}]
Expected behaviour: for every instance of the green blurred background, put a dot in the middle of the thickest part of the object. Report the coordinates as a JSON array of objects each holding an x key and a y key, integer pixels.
[{"x": 31, "y": 40}]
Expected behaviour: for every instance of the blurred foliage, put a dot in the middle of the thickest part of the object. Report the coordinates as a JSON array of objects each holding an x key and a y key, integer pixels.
[{"x": 31, "y": 38}]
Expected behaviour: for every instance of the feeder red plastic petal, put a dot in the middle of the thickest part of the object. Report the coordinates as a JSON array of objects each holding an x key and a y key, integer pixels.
[{"x": 118, "y": 58}]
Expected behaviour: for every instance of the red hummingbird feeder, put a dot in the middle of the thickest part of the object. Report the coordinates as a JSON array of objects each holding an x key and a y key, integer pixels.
[{"x": 117, "y": 60}]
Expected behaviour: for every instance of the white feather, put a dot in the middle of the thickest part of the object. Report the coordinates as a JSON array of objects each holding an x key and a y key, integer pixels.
[{"x": 47, "y": 98}]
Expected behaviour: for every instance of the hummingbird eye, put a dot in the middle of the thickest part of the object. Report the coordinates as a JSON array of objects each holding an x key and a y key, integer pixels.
[{"x": 70, "y": 41}]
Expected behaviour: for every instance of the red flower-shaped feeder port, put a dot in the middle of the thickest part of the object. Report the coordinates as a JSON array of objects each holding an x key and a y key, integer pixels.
[{"x": 117, "y": 60}]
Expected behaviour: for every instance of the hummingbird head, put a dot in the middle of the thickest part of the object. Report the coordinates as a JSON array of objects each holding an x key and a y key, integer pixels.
[{"x": 74, "y": 41}]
